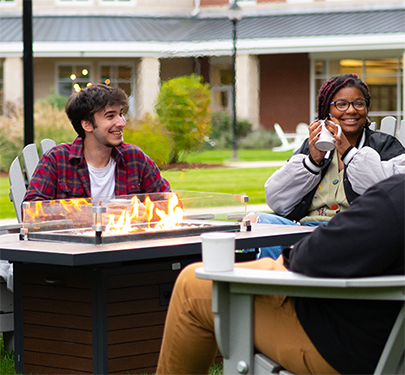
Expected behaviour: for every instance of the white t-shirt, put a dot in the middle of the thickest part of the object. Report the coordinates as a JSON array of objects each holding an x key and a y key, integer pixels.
[{"x": 102, "y": 180}]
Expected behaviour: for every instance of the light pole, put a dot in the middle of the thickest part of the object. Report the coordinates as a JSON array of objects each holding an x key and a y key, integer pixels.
[
  {"x": 28, "y": 67},
  {"x": 235, "y": 14}
]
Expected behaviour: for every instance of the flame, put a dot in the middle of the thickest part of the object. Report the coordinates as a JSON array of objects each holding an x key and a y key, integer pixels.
[
  {"x": 123, "y": 224},
  {"x": 37, "y": 212},
  {"x": 74, "y": 203},
  {"x": 145, "y": 213},
  {"x": 138, "y": 212},
  {"x": 174, "y": 214}
]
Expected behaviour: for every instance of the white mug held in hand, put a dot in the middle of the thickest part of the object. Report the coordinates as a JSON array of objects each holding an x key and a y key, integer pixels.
[
  {"x": 326, "y": 142},
  {"x": 218, "y": 251}
]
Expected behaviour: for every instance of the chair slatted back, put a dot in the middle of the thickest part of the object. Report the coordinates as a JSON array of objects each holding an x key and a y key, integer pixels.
[
  {"x": 19, "y": 178},
  {"x": 401, "y": 133},
  {"x": 31, "y": 159},
  {"x": 388, "y": 125},
  {"x": 373, "y": 126},
  {"x": 46, "y": 144},
  {"x": 17, "y": 186}
]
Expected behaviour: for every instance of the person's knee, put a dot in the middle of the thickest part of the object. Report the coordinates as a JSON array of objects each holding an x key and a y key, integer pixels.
[
  {"x": 188, "y": 272},
  {"x": 253, "y": 217}
]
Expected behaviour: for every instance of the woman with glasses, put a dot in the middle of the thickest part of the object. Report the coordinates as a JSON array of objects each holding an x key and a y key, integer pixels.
[{"x": 313, "y": 186}]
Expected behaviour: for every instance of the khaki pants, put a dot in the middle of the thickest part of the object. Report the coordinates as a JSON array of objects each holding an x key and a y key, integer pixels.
[{"x": 189, "y": 345}]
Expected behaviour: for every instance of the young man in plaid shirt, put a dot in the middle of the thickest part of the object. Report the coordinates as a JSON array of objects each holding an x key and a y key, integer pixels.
[{"x": 98, "y": 163}]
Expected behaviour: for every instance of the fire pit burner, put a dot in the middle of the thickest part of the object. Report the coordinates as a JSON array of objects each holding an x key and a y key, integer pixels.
[{"x": 89, "y": 236}]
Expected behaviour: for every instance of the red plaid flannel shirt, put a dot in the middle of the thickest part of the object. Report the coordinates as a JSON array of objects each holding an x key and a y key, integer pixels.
[{"x": 62, "y": 173}]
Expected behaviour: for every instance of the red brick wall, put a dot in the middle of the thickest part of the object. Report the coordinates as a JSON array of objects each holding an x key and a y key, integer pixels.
[{"x": 284, "y": 90}]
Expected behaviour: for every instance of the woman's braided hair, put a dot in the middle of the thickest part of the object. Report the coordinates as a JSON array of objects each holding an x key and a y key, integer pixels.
[{"x": 333, "y": 85}]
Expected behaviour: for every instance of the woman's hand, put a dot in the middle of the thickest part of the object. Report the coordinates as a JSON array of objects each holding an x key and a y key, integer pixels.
[
  {"x": 314, "y": 130},
  {"x": 342, "y": 143}
]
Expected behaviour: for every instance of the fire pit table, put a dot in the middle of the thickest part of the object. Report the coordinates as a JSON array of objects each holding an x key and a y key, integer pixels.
[{"x": 100, "y": 307}]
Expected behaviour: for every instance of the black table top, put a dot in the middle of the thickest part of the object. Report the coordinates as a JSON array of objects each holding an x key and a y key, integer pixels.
[{"x": 72, "y": 254}]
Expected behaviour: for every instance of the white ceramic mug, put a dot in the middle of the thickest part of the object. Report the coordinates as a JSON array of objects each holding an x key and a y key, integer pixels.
[
  {"x": 218, "y": 251},
  {"x": 326, "y": 142}
]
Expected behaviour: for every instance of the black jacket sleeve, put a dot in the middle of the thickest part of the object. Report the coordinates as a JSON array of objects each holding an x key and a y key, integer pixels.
[{"x": 366, "y": 240}]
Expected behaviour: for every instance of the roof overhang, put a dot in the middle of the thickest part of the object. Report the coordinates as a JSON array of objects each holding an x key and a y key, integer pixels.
[{"x": 210, "y": 48}]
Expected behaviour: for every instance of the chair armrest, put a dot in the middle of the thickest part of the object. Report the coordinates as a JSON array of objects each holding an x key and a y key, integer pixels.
[
  {"x": 233, "y": 295},
  {"x": 291, "y": 135},
  {"x": 253, "y": 281}
]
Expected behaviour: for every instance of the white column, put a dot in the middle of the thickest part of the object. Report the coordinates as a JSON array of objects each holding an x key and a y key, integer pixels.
[
  {"x": 13, "y": 82},
  {"x": 247, "y": 88},
  {"x": 403, "y": 90},
  {"x": 148, "y": 85}
]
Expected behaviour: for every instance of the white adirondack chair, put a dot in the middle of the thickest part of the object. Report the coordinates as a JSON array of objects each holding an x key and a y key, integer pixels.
[
  {"x": 373, "y": 126},
  {"x": 388, "y": 125},
  {"x": 232, "y": 304},
  {"x": 401, "y": 133},
  {"x": 17, "y": 191},
  {"x": 18, "y": 180},
  {"x": 298, "y": 137}
]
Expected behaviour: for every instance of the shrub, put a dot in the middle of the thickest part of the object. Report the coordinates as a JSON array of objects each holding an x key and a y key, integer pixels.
[
  {"x": 259, "y": 139},
  {"x": 49, "y": 122},
  {"x": 11, "y": 139},
  {"x": 222, "y": 131},
  {"x": 183, "y": 106},
  {"x": 151, "y": 136},
  {"x": 243, "y": 128},
  {"x": 55, "y": 100},
  {"x": 52, "y": 122},
  {"x": 221, "y": 124}
]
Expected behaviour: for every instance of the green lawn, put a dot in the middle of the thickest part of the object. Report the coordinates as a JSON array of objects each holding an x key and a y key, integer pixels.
[
  {"x": 219, "y": 156},
  {"x": 223, "y": 180},
  {"x": 6, "y": 207},
  {"x": 219, "y": 180},
  {"x": 6, "y": 360},
  {"x": 7, "y": 363}
]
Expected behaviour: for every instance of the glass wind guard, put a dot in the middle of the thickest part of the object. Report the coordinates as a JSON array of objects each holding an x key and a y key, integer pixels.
[{"x": 124, "y": 213}]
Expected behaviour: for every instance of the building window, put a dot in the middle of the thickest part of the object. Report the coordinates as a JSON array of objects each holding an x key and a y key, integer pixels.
[
  {"x": 72, "y": 78},
  {"x": 74, "y": 2},
  {"x": 8, "y": 3},
  {"x": 120, "y": 76},
  {"x": 221, "y": 88},
  {"x": 383, "y": 77},
  {"x": 243, "y": 2},
  {"x": 117, "y": 2}
]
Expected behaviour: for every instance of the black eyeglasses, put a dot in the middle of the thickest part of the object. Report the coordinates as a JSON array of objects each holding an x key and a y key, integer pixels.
[{"x": 343, "y": 105}]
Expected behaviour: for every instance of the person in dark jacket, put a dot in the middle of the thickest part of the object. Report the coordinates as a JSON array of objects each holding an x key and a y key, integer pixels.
[
  {"x": 306, "y": 335},
  {"x": 313, "y": 186}
]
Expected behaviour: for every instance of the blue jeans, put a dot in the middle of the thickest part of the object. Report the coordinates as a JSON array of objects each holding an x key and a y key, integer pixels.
[{"x": 267, "y": 218}]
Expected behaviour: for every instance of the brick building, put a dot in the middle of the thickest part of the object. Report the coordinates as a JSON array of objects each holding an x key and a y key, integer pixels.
[{"x": 285, "y": 50}]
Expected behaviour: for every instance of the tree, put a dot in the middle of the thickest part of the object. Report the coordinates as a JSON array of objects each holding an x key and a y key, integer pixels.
[{"x": 183, "y": 106}]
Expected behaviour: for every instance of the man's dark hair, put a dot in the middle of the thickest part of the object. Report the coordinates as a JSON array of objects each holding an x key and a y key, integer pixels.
[
  {"x": 333, "y": 85},
  {"x": 88, "y": 101}
]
